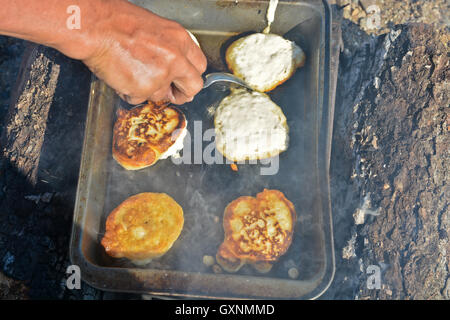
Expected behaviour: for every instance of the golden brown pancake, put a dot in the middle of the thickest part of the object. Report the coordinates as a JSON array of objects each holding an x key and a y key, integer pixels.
[
  {"x": 258, "y": 231},
  {"x": 142, "y": 135},
  {"x": 143, "y": 227}
]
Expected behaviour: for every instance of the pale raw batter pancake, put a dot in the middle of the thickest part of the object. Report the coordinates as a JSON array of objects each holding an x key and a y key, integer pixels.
[
  {"x": 250, "y": 126},
  {"x": 264, "y": 61},
  {"x": 273, "y": 4}
]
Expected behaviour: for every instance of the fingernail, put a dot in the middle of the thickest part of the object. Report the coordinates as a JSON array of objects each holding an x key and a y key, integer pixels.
[{"x": 171, "y": 96}]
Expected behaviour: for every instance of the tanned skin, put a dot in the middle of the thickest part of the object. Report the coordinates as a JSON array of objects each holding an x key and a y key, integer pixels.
[{"x": 136, "y": 52}]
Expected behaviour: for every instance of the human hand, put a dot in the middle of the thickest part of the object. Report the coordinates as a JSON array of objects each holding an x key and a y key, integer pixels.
[{"x": 140, "y": 55}]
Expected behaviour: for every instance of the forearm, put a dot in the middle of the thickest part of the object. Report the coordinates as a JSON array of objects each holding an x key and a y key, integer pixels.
[
  {"x": 139, "y": 54},
  {"x": 46, "y": 22}
]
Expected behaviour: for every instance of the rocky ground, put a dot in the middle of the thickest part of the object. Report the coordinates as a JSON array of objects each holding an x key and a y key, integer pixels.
[
  {"x": 393, "y": 12},
  {"x": 390, "y": 153},
  {"x": 389, "y": 166}
]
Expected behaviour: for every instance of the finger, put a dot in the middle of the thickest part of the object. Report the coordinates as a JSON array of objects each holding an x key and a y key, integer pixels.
[
  {"x": 164, "y": 94},
  {"x": 188, "y": 80},
  {"x": 195, "y": 55},
  {"x": 179, "y": 97},
  {"x": 161, "y": 94},
  {"x": 136, "y": 100},
  {"x": 131, "y": 100}
]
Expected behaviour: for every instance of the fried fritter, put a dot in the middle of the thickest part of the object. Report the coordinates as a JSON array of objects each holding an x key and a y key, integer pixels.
[
  {"x": 258, "y": 231},
  {"x": 143, "y": 227},
  {"x": 145, "y": 134}
]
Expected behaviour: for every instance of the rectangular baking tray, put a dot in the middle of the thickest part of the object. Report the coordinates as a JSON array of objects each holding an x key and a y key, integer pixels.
[{"x": 204, "y": 190}]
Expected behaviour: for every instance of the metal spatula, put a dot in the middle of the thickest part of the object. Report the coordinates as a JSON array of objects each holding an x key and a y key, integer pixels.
[
  {"x": 209, "y": 80},
  {"x": 215, "y": 77}
]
